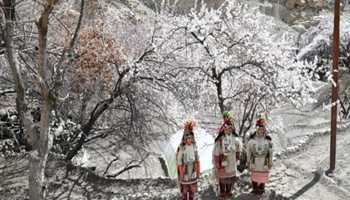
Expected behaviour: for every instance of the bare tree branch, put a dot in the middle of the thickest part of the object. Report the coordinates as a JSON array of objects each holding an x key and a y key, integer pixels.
[
  {"x": 98, "y": 110},
  {"x": 232, "y": 67},
  {"x": 58, "y": 77},
  {"x": 124, "y": 170},
  {"x": 109, "y": 165},
  {"x": 74, "y": 184},
  {"x": 130, "y": 165},
  {"x": 202, "y": 43}
]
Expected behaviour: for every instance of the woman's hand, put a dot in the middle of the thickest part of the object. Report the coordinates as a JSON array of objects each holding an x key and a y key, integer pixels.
[
  {"x": 198, "y": 168},
  {"x": 181, "y": 169},
  {"x": 269, "y": 165},
  {"x": 248, "y": 166}
]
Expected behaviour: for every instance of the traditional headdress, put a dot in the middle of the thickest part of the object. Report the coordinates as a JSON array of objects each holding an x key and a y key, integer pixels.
[
  {"x": 188, "y": 131},
  {"x": 261, "y": 121},
  {"x": 228, "y": 119},
  {"x": 189, "y": 125}
]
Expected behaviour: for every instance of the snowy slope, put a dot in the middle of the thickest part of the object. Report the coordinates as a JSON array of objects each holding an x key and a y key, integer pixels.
[
  {"x": 293, "y": 129},
  {"x": 301, "y": 175}
]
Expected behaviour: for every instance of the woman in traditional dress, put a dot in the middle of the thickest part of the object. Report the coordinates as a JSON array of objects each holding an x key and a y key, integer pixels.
[
  {"x": 188, "y": 165},
  {"x": 259, "y": 157},
  {"x": 225, "y": 156}
]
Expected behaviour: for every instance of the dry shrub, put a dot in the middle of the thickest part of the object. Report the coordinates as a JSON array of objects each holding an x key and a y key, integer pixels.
[{"x": 97, "y": 55}]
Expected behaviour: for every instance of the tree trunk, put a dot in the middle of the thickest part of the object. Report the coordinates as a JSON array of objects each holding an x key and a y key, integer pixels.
[
  {"x": 9, "y": 10},
  {"x": 218, "y": 85},
  {"x": 99, "y": 109},
  {"x": 39, "y": 156}
]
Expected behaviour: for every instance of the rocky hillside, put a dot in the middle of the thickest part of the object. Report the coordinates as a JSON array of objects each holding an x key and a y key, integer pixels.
[{"x": 289, "y": 11}]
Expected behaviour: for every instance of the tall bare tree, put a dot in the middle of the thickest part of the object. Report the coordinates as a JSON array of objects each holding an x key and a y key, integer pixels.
[
  {"x": 8, "y": 31},
  {"x": 39, "y": 156}
]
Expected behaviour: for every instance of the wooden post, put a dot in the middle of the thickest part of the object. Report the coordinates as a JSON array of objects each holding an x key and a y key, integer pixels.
[{"x": 335, "y": 86}]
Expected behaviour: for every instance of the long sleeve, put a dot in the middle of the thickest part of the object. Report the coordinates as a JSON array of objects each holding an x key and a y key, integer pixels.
[
  {"x": 216, "y": 155},
  {"x": 179, "y": 156},
  {"x": 197, "y": 162},
  {"x": 179, "y": 163},
  {"x": 238, "y": 146},
  {"x": 196, "y": 153},
  {"x": 270, "y": 152},
  {"x": 198, "y": 168}
]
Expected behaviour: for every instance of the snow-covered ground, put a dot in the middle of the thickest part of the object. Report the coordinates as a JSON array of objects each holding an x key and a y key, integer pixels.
[
  {"x": 303, "y": 144},
  {"x": 302, "y": 174},
  {"x": 297, "y": 174}
]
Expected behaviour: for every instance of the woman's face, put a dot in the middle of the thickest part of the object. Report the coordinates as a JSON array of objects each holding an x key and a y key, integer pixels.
[
  {"x": 188, "y": 141},
  {"x": 228, "y": 129},
  {"x": 260, "y": 131}
]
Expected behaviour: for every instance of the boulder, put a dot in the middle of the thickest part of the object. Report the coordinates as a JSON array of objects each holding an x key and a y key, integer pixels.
[{"x": 290, "y": 4}]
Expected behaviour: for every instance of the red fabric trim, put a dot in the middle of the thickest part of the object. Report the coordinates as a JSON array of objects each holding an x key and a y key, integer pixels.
[
  {"x": 217, "y": 161},
  {"x": 259, "y": 171}
]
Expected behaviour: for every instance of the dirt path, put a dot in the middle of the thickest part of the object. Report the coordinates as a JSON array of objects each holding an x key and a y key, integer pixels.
[{"x": 301, "y": 175}]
